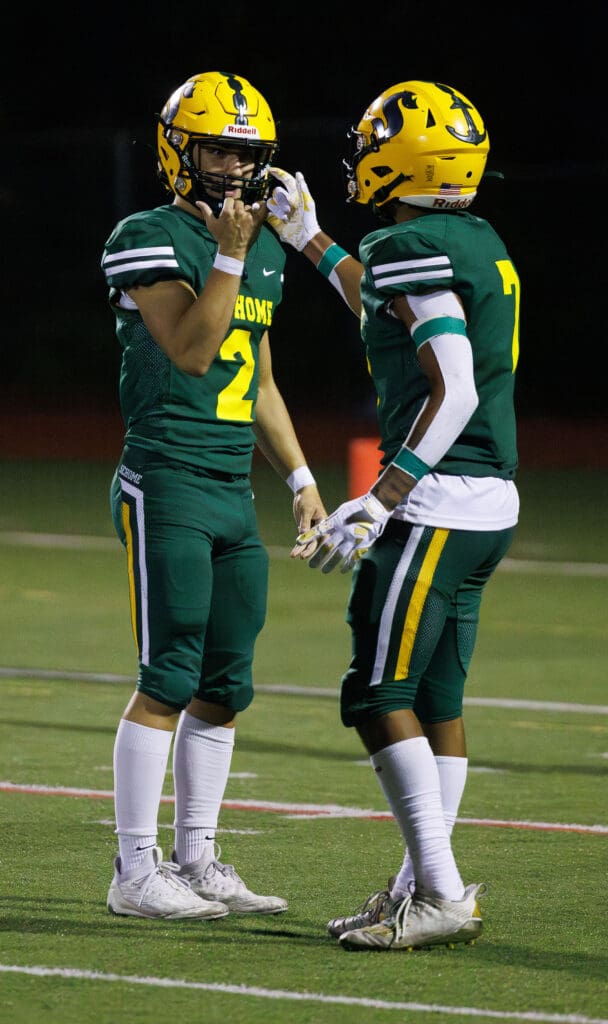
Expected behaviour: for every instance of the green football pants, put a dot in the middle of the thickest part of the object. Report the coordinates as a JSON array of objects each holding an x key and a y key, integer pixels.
[
  {"x": 198, "y": 578},
  {"x": 413, "y": 611}
]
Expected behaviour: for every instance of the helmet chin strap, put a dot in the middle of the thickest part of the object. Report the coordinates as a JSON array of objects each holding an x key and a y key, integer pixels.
[
  {"x": 387, "y": 212},
  {"x": 383, "y": 193}
]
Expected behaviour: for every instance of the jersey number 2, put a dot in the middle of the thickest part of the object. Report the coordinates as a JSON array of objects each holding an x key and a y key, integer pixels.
[{"x": 231, "y": 401}]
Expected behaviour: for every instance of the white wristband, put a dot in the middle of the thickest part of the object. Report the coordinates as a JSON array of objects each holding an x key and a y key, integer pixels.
[
  {"x": 301, "y": 477},
  {"x": 228, "y": 264}
]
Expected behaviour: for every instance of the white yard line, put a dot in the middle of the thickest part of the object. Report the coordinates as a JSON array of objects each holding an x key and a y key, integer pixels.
[
  {"x": 15, "y": 538},
  {"x": 248, "y": 991},
  {"x": 75, "y": 541},
  {"x": 302, "y": 811},
  {"x": 12, "y": 672}
]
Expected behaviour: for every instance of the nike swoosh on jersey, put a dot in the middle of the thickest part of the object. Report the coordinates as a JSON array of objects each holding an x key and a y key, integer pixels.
[{"x": 267, "y": 273}]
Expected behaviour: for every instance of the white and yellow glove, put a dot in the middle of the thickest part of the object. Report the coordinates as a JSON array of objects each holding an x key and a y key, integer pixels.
[
  {"x": 291, "y": 209},
  {"x": 343, "y": 537}
]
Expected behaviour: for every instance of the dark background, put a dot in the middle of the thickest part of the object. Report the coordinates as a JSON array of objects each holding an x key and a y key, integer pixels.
[{"x": 80, "y": 92}]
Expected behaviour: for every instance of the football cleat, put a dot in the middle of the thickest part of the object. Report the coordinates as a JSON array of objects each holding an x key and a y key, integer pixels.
[
  {"x": 215, "y": 881},
  {"x": 376, "y": 908},
  {"x": 161, "y": 893},
  {"x": 421, "y": 921}
]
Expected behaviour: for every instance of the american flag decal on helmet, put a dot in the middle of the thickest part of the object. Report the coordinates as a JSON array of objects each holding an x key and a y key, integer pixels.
[{"x": 449, "y": 190}]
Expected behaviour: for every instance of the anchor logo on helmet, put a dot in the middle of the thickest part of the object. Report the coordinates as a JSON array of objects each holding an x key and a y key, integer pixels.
[{"x": 473, "y": 136}]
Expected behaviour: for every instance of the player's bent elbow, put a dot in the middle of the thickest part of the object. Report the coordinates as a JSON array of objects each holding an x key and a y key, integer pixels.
[
  {"x": 466, "y": 407},
  {"x": 460, "y": 404},
  {"x": 472, "y": 404}
]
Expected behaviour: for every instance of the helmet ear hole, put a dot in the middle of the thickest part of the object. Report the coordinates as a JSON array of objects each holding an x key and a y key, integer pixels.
[{"x": 382, "y": 170}]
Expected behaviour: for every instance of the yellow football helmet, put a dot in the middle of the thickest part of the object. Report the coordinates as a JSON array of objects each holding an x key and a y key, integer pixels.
[
  {"x": 421, "y": 143},
  {"x": 215, "y": 107}
]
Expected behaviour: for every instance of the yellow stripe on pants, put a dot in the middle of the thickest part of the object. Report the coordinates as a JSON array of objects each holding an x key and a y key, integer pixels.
[
  {"x": 414, "y": 611},
  {"x": 126, "y": 523}
]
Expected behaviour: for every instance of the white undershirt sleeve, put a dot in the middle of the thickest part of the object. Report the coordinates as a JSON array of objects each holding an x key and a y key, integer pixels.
[{"x": 454, "y": 355}]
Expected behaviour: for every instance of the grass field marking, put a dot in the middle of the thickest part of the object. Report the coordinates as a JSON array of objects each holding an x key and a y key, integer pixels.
[
  {"x": 8, "y": 672},
  {"x": 110, "y": 823},
  {"x": 528, "y": 565},
  {"x": 69, "y": 541},
  {"x": 299, "y": 811},
  {"x": 81, "y": 542},
  {"x": 72, "y": 973},
  {"x": 535, "y": 826},
  {"x": 535, "y": 705},
  {"x": 169, "y": 772}
]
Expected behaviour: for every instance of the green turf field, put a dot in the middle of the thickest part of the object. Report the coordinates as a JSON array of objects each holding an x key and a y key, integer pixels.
[{"x": 298, "y": 815}]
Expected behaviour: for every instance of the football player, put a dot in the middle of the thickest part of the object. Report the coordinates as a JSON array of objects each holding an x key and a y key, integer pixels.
[
  {"x": 194, "y": 286},
  {"x": 438, "y": 298}
]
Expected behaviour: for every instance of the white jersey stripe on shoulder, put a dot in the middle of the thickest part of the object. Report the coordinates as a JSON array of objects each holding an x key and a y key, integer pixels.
[
  {"x": 428, "y": 261},
  {"x": 422, "y": 276},
  {"x": 150, "y": 250},
  {"x": 139, "y": 265},
  {"x": 405, "y": 271}
]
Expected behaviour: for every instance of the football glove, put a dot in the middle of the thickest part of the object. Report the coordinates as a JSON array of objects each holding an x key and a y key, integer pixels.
[
  {"x": 343, "y": 537},
  {"x": 291, "y": 209}
]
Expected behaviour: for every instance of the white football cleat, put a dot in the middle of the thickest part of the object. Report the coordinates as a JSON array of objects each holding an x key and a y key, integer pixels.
[
  {"x": 376, "y": 908},
  {"x": 213, "y": 880},
  {"x": 420, "y": 921},
  {"x": 161, "y": 893}
]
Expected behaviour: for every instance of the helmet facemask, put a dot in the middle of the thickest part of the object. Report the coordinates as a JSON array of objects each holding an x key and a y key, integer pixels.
[
  {"x": 356, "y": 148},
  {"x": 364, "y": 145},
  {"x": 211, "y": 187}
]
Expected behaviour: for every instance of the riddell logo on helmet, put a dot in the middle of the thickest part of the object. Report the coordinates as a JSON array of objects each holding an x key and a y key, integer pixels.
[
  {"x": 240, "y": 129},
  {"x": 453, "y": 204}
]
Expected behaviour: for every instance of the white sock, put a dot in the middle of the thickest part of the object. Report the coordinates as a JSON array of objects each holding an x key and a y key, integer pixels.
[
  {"x": 140, "y": 764},
  {"x": 201, "y": 763},
  {"x": 452, "y": 778},
  {"x": 409, "y": 778}
]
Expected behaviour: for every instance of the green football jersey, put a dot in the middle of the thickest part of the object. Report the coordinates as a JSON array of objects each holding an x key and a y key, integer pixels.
[
  {"x": 462, "y": 253},
  {"x": 205, "y": 421}
]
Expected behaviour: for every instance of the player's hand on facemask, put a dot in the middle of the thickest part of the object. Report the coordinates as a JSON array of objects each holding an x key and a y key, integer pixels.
[
  {"x": 291, "y": 209},
  {"x": 343, "y": 537},
  {"x": 236, "y": 226}
]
